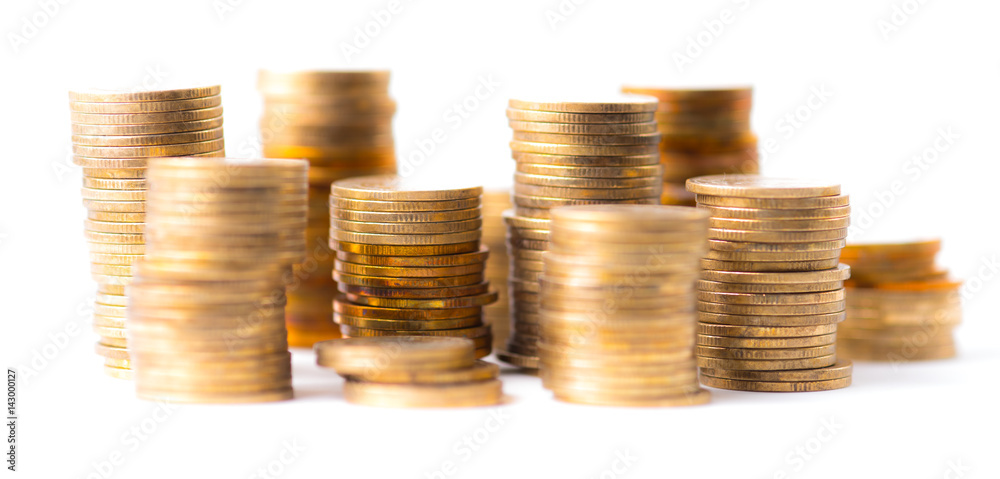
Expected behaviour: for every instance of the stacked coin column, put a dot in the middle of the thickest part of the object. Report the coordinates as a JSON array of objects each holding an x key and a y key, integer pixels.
[
  {"x": 569, "y": 153},
  {"x": 901, "y": 306},
  {"x": 495, "y": 202},
  {"x": 705, "y": 132},
  {"x": 772, "y": 288},
  {"x": 114, "y": 135},
  {"x": 342, "y": 123},
  {"x": 617, "y": 305},
  {"x": 206, "y": 309},
  {"x": 409, "y": 260}
]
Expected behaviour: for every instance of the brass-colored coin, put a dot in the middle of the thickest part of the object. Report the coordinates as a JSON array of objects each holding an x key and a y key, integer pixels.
[
  {"x": 376, "y": 312},
  {"x": 595, "y": 140},
  {"x": 408, "y": 272},
  {"x": 518, "y": 360},
  {"x": 756, "y": 186},
  {"x": 403, "y": 206},
  {"x": 183, "y": 149},
  {"x": 614, "y": 104},
  {"x": 407, "y": 217},
  {"x": 765, "y": 332},
  {"x": 529, "y": 244},
  {"x": 147, "y": 129},
  {"x": 772, "y": 310},
  {"x": 582, "y": 150},
  {"x": 404, "y": 250},
  {"x": 112, "y": 238},
  {"x": 766, "y": 343},
  {"x": 129, "y": 163},
  {"x": 404, "y": 239},
  {"x": 469, "y": 394},
  {"x": 112, "y": 248},
  {"x": 589, "y": 171},
  {"x": 776, "y": 299},
  {"x": 114, "y": 227},
  {"x": 364, "y": 356},
  {"x": 697, "y": 96},
  {"x": 115, "y": 173},
  {"x": 143, "y": 118},
  {"x": 113, "y": 195},
  {"x": 841, "y": 369},
  {"x": 564, "y": 182},
  {"x": 432, "y": 303},
  {"x": 149, "y": 139},
  {"x": 775, "y": 214},
  {"x": 480, "y": 371},
  {"x": 840, "y": 273},
  {"x": 111, "y": 299},
  {"x": 775, "y": 203},
  {"x": 96, "y": 95},
  {"x": 515, "y": 114},
  {"x": 585, "y": 193},
  {"x": 394, "y": 188},
  {"x": 584, "y": 128},
  {"x": 114, "y": 184},
  {"x": 474, "y": 332},
  {"x": 780, "y": 224},
  {"x": 201, "y": 397},
  {"x": 145, "y": 106},
  {"x": 118, "y": 363},
  {"x": 112, "y": 269},
  {"x": 407, "y": 324},
  {"x": 693, "y": 398},
  {"x": 519, "y": 234},
  {"x": 586, "y": 161},
  {"x": 444, "y": 227},
  {"x": 743, "y": 247},
  {"x": 759, "y": 354},
  {"x": 765, "y": 257},
  {"x": 751, "y": 288},
  {"x": 768, "y": 386},
  {"x": 118, "y": 373},
  {"x": 777, "y": 236},
  {"x": 447, "y": 260}
]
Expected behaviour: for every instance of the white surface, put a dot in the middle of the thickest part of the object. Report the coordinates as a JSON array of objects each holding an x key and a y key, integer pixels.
[{"x": 890, "y": 97}]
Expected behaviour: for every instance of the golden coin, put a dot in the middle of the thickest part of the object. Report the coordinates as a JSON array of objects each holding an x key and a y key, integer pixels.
[
  {"x": 327, "y": 80},
  {"x": 751, "y": 288},
  {"x": 128, "y": 163},
  {"x": 840, "y": 273},
  {"x": 774, "y": 214},
  {"x": 780, "y": 224},
  {"x": 756, "y": 186},
  {"x": 765, "y": 332},
  {"x": 404, "y": 239},
  {"x": 406, "y": 217},
  {"x": 444, "y": 227},
  {"x": 118, "y": 373},
  {"x": 142, "y": 118},
  {"x": 583, "y": 128},
  {"x": 587, "y": 193},
  {"x": 564, "y": 182},
  {"x": 766, "y": 343},
  {"x": 396, "y": 282},
  {"x": 145, "y": 106},
  {"x": 596, "y": 140},
  {"x": 613, "y": 104},
  {"x": 756, "y": 257},
  {"x": 518, "y": 360},
  {"x": 404, "y": 250},
  {"x": 841, "y": 369},
  {"x": 764, "y": 354},
  {"x": 96, "y": 95},
  {"x": 775, "y": 203},
  {"x": 563, "y": 117},
  {"x": 113, "y": 195},
  {"x": 417, "y": 261},
  {"x": 771, "y": 309},
  {"x": 114, "y": 227},
  {"x": 363, "y": 311},
  {"x": 408, "y": 272},
  {"x": 547, "y": 202},
  {"x": 469, "y": 394},
  {"x": 112, "y": 269},
  {"x": 777, "y": 236},
  {"x": 768, "y": 386},
  {"x": 769, "y": 266},
  {"x": 115, "y": 173},
  {"x": 480, "y": 371},
  {"x": 648, "y": 159},
  {"x": 589, "y": 171},
  {"x": 777, "y": 299},
  {"x": 403, "y": 206},
  {"x": 362, "y": 356},
  {"x": 201, "y": 397},
  {"x": 454, "y": 302},
  {"x": 114, "y": 184},
  {"x": 115, "y": 206},
  {"x": 112, "y": 238},
  {"x": 474, "y": 332},
  {"x": 408, "y": 324},
  {"x": 743, "y": 247},
  {"x": 146, "y": 129},
  {"x": 693, "y": 398},
  {"x": 725, "y": 95},
  {"x": 183, "y": 149},
  {"x": 394, "y": 188},
  {"x": 582, "y": 150},
  {"x": 518, "y": 234},
  {"x": 149, "y": 139},
  {"x": 650, "y": 218}
]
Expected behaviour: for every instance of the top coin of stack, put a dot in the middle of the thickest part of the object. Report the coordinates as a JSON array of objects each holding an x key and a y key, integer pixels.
[
  {"x": 495, "y": 202},
  {"x": 900, "y": 305},
  {"x": 705, "y": 132},
  {"x": 772, "y": 288},
  {"x": 114, "y": 135},
  {"x": 341, "y": 121},
  {"x": 570, "y": 153},
  {"x": 409, "y": 260}
]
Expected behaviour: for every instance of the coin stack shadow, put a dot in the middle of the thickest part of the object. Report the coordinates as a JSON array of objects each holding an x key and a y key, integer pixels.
[
  {"x": 341, "y": 121},
  {"x": 412, "y": 371},
  {"x": 617, "y": 305},
  {"x": 900, "y": 305},
  {"x": 206, "y": 309},
  {"x": 772, "y": 288},
  {"x": 409, "y": 260},
  {"x": 114, "y": 134},
  {"x": 495, "y": 202},
  {"x": 704, "y": 132},
  {"x": 569, "y": 153}
]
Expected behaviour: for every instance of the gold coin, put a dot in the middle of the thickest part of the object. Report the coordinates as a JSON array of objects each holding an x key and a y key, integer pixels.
[
  {"x": 363, "y": 311},
  {"x": 743, "y": 247},
  {"x": 582, "y": 150},
  {"x": 614, "y": 104},
  {"x": 765, "y": 257},
  {"x": 589, "y": 171},
  {"x": 96, "y": 95},
  {"x": 114, "y": 227},
  {"x": 407, "y": 239},
  {"x": 118, "y": 373},
  {"x": 115, "y": 206},
  {"x": 564, "y": 182},
  {"x": 362, "y": 356},
  {"x": 775, "y": 203},
  {"x": 769, "y": 386},
  {"x": 114, "y": 184},
  {"x": 444, "y": 227},
  {"x": 404, "y": 250},
  {"x": 146, "y": 129},
  {"x": 113, "y": 195},
  {"x": 115, "y": 173},
  {"x": 724, "y": 95},
  {"x": 417, "y": 261},
  {"x": 586, "y": 193},
  {"x": 756, "y": 186},
  {"x": 841, "y": 369},
  {"x": 201, "y": 397},
  {"x": 112, "y": 238},
  {"x": 145, "y": 106},
  {"x": 766, "y": 343},
  {"x": 777, "y": 236},
  {"x": 142, "y": 118},
  {"x": 394, "y": 188},
  {"x": 454, "y": 302},
  {"x": 518, "y": 360},
  {"x": 111, "y": 269},
  {"x": 772, "y": 310},
  {"x": 586, "y": 161},
  {"x": 596, "y": 140},
  {"x": 407, "y": 217},
  {"x": 183, "y": 149},
  {"x": 780, "y": 224},
  {"x": 408, "y": 324},
  {"x": 403, "y": 206},
  {"x": 470, "y": 394},
  {"x": 408, "y": 272},
  {"x": 773, "y": 214},
  {"x": 128, "y": 163},
  {"x": 840, "y": 273},
  {"x": 396, "y": 282},
  {"x": 776, "y": 299},
  {"x": 518, "y": 234},
  {"x": 149, "y": 139},
  {"x": 734, "y": 331},
  {"x": 546, "y": 203},
  {"x": 758, "y": 354},
  {"x": 474, "y": 332},
  {"x": 583, "y": 128},
  {"x": 480, "y": 371},
  {"x": 692, "y": 398},
  {"x": 563, "y": 117}
]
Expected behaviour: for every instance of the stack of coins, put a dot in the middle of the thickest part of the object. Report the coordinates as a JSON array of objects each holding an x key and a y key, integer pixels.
[
  {"x": 341, "y": 121},
  {"x": 495, "y": 202},
  {"x": 206, "y": 309},
  {"x": 772, "y": 288},
  {"x": 114, "y": 135},
  {"x": 705, "y": 132},
  {"x": 617, "y": 305},
  {"x": 412, "y": 371},
  {"x": 900, "y": 305},
  {"x": 569, "y": 153},
  {"x": 409, "y": 260}
]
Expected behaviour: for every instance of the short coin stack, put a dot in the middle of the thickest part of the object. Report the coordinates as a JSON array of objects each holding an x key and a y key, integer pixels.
[
  {"x": 412, "y": 371},
  {"x": 900, "y": 305},
  {"x": 341, "y": 121},
  {"x": 495, "y": 202},
  {"x": 772, "y": 288},
  {"x": 705, "y": 132},
  {"x": 569, "y": 153},
  {"x": 617, "y": 305},
  {"x": 206, "y": 309},
  {"x": 409, "y": 260},
  {"x": 114, "y": 135}
]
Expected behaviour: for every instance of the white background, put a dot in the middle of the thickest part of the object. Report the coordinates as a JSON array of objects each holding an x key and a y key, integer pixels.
[{"x": 891, "y": 95}]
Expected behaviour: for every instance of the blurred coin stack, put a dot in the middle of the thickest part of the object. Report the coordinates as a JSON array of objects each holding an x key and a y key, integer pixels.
[
  {"x": 569, "y": 153},
  {"x": 412, "y": 371},
  {"x": 618, "y": 305},
  {"x": 772, "y": 288},
  {"x": 900, "y": 305},
  {"x": 409, "y": 260},
  {"x": 704, "y": 132},
  {"x": 206, "y": 309},
  {"x": 495, "y": 202},
  {"x": 114, "y": 135},
  {"x": 341, "y": 121}
]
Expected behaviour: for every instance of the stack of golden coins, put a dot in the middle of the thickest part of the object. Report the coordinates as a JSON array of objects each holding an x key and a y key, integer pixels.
[
  {"x": 409, "y": 260},
  {"x": 617, "y": 305},
  {"x": 341, "y": 121},
  {"x": 900, "y": 305},
  {"x": 569, "y": 153},
  {"x": 705, "y": 132},
  {"x": 114, "y": 135},
  {"x": 772, "y": 288},
  {"x": 495, "y": 202},
  {"x": 207, "y": 307},
  {"x": 412, "y": 371}
]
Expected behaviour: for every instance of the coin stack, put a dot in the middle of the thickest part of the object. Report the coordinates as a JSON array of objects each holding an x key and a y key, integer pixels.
[
  {"x": 114, "y": 135},
  {"x": 341, "y": 121},
  {"x": 900, "y": 305},
  {"x": 409, "y": 260},
  {"x": 495, "y": 202},
  {"x": 412, "y": 371},
  {"x": 772, "y": 288},
  {"x": 704, "y": 132},
  {"x": 617, "y": 305},
  {"x": 207, "y": 307},
  {"x": 569, "y": 153}
]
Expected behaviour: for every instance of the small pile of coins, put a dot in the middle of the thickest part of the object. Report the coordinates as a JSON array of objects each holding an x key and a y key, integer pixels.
[
  {"x": 206, "y": 310},
  {"x": 412, "y": 371},
  {"x": 772, "y": 288},
  {"x": 409, "y": 260},
  {"x": 114, "y": 135},
  {"x": 617, "y": 305},
  {"x": 569, "y": 153},
  {"x": 495, "y": 202},
  {"x": 704, "y": 132},
  {"x": 341, "y": 121},
  {"x": 900, "y": 305}
]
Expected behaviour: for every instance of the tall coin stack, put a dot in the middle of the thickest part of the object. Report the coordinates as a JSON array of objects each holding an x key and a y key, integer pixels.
[
  {"x": 341, "y": 121},
  {"x": 114, "y": 135},
  {"x": 705, "y": 132},
  {"x": 495, "y": 202},
  {"x": 409, "y": 260},
  {"x": 900, "y": 305},
  {"x": 618, "y": 305},
  {"x": 772, "y": 288},
  {"x": 569, "y": 153},
  {"x": 206, "y": 309}
]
